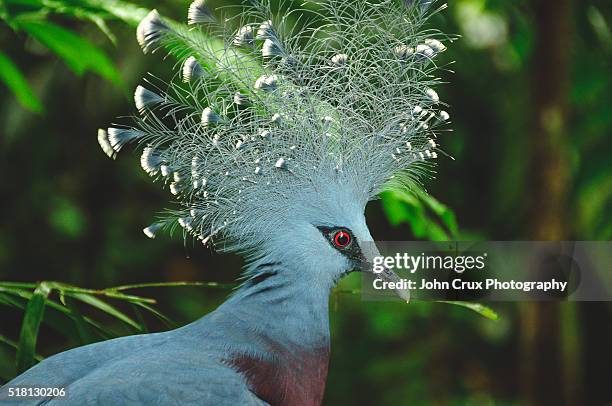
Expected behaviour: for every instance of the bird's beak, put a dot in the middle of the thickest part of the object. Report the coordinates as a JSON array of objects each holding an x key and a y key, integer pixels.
[
  {"x": 390, "y": 276},
  {"x": 386, "y": 274}
]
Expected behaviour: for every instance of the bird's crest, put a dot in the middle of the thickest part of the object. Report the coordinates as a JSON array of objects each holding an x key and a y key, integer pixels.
[{"x": 291, "y": 106}]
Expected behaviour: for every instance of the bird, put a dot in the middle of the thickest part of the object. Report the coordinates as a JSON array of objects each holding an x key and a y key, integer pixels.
[{"x": 271, "y": 140}]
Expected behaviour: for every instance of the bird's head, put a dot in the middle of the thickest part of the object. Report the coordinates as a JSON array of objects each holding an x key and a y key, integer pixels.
[
  {"x": 274, "y": 143},
  {"x": 322, "y": 235}
]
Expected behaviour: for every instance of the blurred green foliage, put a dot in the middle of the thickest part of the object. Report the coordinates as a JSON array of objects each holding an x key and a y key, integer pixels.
[
  {"x": 33, "y": 17},
  {"x": 71, "y": 215}
]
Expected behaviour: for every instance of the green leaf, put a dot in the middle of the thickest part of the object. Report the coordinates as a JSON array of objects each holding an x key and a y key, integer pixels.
[
  {"x": 139, "y": 317},
  {"x": 17, "y": 285},
  {"x": 477, "y": 307},
  {"x": 128, "y": 12},
  {"x": 446, "y": 215},
  {"x": 173, "y": 284},
  {"x": 105, "y": 307},
  {"x": 169, "y": 323},
  {"x": 83, "y": 329},
  {"x": 53, "y": 318},
  {"x": 10, "y": 301},
  {"x": 426, "y": 216},
  {"x": 29, "y": 328},
  {"x": 14, "y": 79},
  {"x": 15, "y": 346},
  {"x": 96, "y": 11},
  {"x": 78, "y": 53}
]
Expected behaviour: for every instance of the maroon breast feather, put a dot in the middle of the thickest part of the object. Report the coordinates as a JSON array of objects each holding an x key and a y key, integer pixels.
[{"x": 292, "y": 377}]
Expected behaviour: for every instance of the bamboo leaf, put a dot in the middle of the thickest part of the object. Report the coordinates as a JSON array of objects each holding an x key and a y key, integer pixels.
[
  {"x": 139, "y": 317},
  {"x": 10, "y": 301},
  {"x": 173, "y": 284},
  {"x": 19, "y": 285},
  {"x": 14, "y": 345},
  {"x": 29, "y": 328},
  {"x": 483, "y": 310},
  {"x": 50, "y": 318},
  {"x": 169, "y": 323},
  {"x": 83, "y": 329},
  {"x": 14, "y": 80},
  {"x": 53, "y": 317},
  {"x": 105, "y": 307},
  {"x": 110, "y": 292},
  {"x": 128, "y": 298}
]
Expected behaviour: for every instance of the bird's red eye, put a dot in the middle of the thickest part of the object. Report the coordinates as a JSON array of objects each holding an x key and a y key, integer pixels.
[{"x": 342, "y": 239}]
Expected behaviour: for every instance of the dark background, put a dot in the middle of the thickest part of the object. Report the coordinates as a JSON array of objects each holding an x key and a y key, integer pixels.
[{"x": 531, "y": 105}]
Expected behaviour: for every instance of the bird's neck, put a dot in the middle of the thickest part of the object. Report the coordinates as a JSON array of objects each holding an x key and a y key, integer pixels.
[
  {"x": 292, "y": 309},
  {"x": 283, "y": 319}
]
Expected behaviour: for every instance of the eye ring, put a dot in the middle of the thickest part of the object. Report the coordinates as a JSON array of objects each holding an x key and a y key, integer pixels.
[{"x": 342, "y": 239}]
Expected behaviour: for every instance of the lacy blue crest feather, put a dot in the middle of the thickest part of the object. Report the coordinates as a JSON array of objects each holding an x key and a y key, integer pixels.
[{"x": 292, "y": 109}]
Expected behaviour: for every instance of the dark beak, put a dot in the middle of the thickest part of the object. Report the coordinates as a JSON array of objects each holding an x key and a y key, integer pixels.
[
  {"x": 368, "y": 253},
  {"x": 386, "y": 275},
  {"x": 390, "y": 276}
]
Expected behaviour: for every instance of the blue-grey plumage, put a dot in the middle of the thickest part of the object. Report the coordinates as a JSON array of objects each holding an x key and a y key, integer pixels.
[
  {"x": 276, "y": 326},
  {"x": 274, "y": 158}
]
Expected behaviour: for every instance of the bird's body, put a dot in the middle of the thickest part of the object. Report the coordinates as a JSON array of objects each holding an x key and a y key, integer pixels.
[
  {"x": 268, "y": 344},
  {"x": 273, "y": 145}
]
